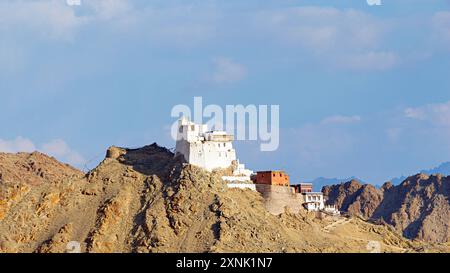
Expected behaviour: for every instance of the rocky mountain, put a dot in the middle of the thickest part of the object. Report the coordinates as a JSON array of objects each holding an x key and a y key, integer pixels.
[
  {"x": 354, "y": 197},
  {"x": 419, "y": 207},
  {"x": 145, "y": 200}
]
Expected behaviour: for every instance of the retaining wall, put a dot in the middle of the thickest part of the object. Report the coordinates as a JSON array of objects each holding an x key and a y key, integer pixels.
[{"x": 277, "y": 198}]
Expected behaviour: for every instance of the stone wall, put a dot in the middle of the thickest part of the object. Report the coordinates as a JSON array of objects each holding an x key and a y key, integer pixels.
[{"x": 277, "y": 198}]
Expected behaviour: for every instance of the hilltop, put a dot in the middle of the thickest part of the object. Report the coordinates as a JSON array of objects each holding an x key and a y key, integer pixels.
[{"x": 145, "y": 200}]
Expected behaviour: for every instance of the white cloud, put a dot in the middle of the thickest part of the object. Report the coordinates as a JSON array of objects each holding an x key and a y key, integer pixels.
[
  {"x": 338, "y": 119},
  {"x": 55, "y": 19},
  {"x": 387, "y": 143},
  {"x": 415, "y": 113},
  {"x": 346, "y": 38},
  {"x": 50, "y": 18},
  {"x": 228, "y": 71},
  {"x": 374, "y": 2},
  {"x": 394, "y": 134},
  {"x": 441, "y": 27},
  {"x": 319, "y": 149},
  {"x": 57, "y": 148},
  {"x": 19, "y": 144},
  {"x": 327, "y": 28},
  {"x": 319, "y": 144},
  {"x": 343, "y": 37},
  {"x": 371, "y": 61},
  {"x": 177, "y": 25},
  {"x": 438, "y": 114},
  {"x": 323, "y": 28},
  {"x": 12, "y": 58},
  {"x": 110, "y": 9}
]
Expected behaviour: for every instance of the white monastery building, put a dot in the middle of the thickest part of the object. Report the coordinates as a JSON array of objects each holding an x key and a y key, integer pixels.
[
  {"x": 211, "y": 150},
  {"x": 313, "y": 201}
]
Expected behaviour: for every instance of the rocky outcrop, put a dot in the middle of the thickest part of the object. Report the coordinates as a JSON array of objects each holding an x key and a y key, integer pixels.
[
  {"x": 418, "y": 207},
  {"x": 354, "y": 197}
]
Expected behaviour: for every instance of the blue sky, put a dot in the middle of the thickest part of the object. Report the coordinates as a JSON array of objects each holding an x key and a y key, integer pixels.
[{"x": 363, "y": 90}]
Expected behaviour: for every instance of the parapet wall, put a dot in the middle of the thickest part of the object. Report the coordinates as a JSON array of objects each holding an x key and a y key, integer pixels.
[{"x": 277, "y": 198}]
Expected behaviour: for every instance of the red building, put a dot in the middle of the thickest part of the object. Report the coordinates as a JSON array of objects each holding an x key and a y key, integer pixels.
[
  {"x": 278, "y": 178},
  {"x": 303, "y": 187}
]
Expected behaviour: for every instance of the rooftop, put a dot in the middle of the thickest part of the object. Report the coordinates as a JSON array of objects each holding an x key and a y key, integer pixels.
[
  {"x": 273, "y": 171},
  {"x": 313, "y": 193}
]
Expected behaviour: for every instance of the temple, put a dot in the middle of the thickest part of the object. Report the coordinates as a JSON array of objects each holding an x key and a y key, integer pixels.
[{"x": 211, "y": 150}]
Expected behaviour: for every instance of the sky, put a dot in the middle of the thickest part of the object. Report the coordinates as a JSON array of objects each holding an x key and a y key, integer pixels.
[{"x": 363, "y": 90}]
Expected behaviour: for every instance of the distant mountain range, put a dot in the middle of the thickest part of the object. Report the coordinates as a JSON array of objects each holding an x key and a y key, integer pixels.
[
  {"x": 443, "y": 169},
  {"x": 321, "y": 182}
]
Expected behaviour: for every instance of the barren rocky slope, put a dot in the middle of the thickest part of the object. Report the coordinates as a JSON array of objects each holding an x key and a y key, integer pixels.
[
  {"x": 419, "y": 207},
  {"x": 144, "y": 200}
]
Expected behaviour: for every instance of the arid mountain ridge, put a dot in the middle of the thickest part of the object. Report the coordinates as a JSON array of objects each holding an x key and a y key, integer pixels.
[
  {"x": 419, "y": 207},
  {"x": 145, "y": 200},
  {"x": 320, "y": 182}
]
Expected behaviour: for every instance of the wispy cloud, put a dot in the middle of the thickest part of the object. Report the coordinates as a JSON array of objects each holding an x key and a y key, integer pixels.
[
  {"x": 343, "y": 38},
  {"x": 177, "y": 25},
  {"x": 374, "y": 147},
  {"x": 346, "y": 38},
  {"x": 371, "y": 61},
  {"x": 441, "y": 28},
  {"x": 19, "y": 144},
  {"x": 12, "y": 58},
  {"x": 324, "y": 28},
  {"x": 57, "y": 148},
  {"x": 338, "y": 119},
  {"x": 110, "y": 9},
  {"x": 58, "y": 21},
  {"x": 228, "y": 71},
  {"x": 438, "y": 113},
  {"x": 51, "y": 19}
]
